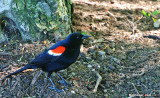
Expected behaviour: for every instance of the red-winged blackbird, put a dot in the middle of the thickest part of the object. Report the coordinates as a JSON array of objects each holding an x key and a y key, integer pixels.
[{"x": 58, "y": 57}]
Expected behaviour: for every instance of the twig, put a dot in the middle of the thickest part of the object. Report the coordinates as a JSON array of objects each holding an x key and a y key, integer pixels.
[
  {"x": 132, "y": 25},
  {"x": 98, "y": 82},
  {"x": 136, "y": 89},
  {"x": 111, "y": 14},
  {"x": 5, "y": 53},
  {"x": 18, "y": 79},
  {"x": 4, "y": 58},
  {"x": 36, "y": 77},
  {"x": 142, "y": 72}
]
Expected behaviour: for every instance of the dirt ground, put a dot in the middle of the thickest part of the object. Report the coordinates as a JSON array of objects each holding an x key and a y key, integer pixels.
[{"x": 126, "y": 63}]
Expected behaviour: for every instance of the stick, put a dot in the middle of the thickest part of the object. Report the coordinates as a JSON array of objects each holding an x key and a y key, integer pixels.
[
  {"x": 136, "y": 89},
  {"x": 98, "y": 82},
  {"x": 36, "y": 77}
]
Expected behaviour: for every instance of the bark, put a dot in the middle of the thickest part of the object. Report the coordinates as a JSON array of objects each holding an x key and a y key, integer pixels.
[{"x": 35, "y": 19}]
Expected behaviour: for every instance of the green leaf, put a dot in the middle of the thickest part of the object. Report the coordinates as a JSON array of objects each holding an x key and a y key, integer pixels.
[
  {"x": 84, "y": 33},
  {"x": 145, "y": 14},
  {"x": 154, "y": 19},
  {"x": 156, "y": 12}
]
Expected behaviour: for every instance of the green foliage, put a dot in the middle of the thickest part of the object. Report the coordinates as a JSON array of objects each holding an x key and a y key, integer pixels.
[
  {"x": 156, "y": 12},
  {"x": 151, "y": 15},
  {"x": 145, "y": 14},
  {"x": 84, "y": 33}
]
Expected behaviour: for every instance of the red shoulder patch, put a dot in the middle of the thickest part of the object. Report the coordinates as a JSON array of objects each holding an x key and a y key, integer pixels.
[{"x": 58, "y": 51}]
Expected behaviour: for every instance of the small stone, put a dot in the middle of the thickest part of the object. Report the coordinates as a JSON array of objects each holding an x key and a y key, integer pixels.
[
  {"x": 89, "y": 66},
  {"x": 73, "y": 92},
  {"x": 99, "y": 66},
  {"x": 93, "y": 69},
  {"x": 101, "y": 52},
  {"x": 73, "y": 73},
  {"x": 110, "y": 67},
  {"x": 105, "y": 91},
  {"x": 88, "y": 58},
  {"x": 157, "y": 23}
]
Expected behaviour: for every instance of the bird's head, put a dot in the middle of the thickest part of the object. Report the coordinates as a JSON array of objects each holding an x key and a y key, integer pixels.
[{"x": 76, "y": 38}]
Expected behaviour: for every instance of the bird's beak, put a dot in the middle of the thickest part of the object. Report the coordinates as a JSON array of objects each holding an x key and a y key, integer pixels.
[{"x": 85, "y": 36}]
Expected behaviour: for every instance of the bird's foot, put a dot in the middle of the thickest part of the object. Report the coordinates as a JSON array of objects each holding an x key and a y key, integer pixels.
[
  {"x": 65, "y": 83},
  {"x": 55, "y": 89}
]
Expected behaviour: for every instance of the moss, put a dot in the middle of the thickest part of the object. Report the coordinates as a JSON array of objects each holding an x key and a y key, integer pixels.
[{"x": 39, "y": 16}]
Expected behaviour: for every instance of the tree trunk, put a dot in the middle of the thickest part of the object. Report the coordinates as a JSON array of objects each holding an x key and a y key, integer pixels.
[{"x": 35, "y": 19}]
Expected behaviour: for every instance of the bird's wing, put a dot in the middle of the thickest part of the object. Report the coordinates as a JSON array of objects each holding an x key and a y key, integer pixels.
[
  {"x": 52, "y": 54},
  {"x": 57, "y": 51}
]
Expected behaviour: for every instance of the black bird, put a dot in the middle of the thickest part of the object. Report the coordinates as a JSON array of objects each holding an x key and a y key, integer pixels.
[{"x": 60, "y": 56}]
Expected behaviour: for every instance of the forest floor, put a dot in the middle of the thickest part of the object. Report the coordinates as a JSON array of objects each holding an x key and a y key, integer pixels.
[{"x": 118, "y": 54}]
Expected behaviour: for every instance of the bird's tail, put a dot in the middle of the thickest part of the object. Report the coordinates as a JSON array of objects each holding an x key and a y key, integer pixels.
[{"x": 28, "y": 66}]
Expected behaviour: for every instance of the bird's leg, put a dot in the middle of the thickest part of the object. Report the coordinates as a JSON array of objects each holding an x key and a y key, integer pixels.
[
  {"x": 63, "y": 81},
  {"x": 54, "y": 87}
]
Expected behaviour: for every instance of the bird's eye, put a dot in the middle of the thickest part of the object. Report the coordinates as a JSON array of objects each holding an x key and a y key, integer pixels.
[{"x": 78, "y": 37}]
